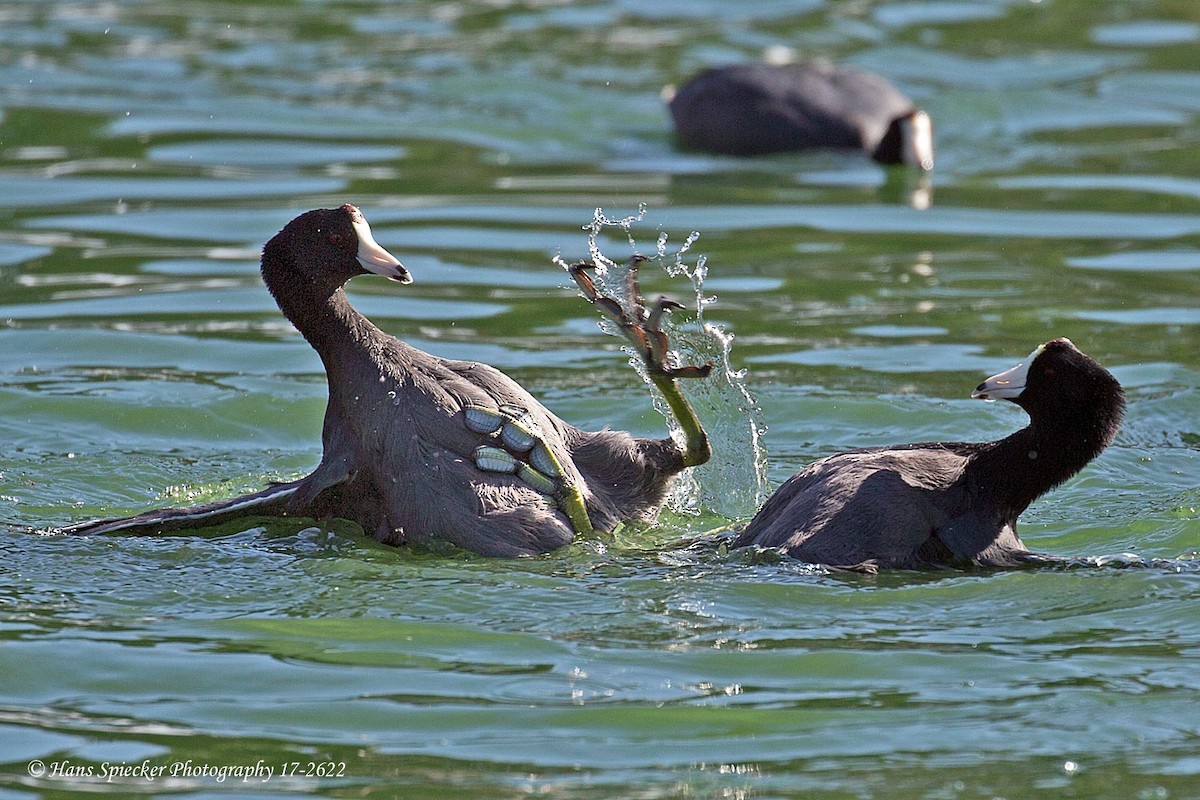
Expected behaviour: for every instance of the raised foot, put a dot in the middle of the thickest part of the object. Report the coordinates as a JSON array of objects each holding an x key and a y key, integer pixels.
[
  {"x": 519, "y": 449},
  {"x": 640, "y": 324}
]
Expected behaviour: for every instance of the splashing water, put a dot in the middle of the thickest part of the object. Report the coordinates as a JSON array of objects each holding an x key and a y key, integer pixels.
[{"x": 733, "y": 483}]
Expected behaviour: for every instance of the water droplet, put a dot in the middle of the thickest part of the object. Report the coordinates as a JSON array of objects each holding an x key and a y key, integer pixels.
[{"x": 730, "y": 414}]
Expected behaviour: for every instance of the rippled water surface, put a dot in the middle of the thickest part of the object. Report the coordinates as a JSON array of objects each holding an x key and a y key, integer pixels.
[{"x": 148, "y": 149}]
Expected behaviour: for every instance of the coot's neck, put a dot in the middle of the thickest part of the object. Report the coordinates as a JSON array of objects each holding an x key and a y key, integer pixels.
[
  {"x": 1018, "y": 469},
  {"x": 342, "y": 337}
]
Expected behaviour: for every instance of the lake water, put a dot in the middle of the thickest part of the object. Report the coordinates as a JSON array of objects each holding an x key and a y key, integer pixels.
[{"x": 148, "y": 149}]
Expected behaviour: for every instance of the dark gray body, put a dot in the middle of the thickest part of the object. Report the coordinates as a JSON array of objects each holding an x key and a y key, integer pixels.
[
  {"x": 396, "y": 426},
  {"x": 949, "y": 503},
  {"x": 909, "y": 506},
  {"x": 755, "y": 109}
]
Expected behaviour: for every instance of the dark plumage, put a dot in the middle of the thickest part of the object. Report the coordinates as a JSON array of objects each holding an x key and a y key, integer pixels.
[
  {"x": 424, "y": 449},
  {"x": 949, "y": 503},
  {"x": 755, "y": 109}
]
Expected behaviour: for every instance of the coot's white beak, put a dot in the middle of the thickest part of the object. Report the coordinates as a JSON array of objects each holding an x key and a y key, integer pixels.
[
  {"x": 1009, "y": 384},
  {"x": 374, "y": 258},
  {"x": 917, "y": 140}
]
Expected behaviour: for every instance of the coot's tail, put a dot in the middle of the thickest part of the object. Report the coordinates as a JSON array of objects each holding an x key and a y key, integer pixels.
[{"x": 270, "y": 502}]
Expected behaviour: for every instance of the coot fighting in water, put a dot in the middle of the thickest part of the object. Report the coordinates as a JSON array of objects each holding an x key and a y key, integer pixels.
[{"x": 425, "y": 449}]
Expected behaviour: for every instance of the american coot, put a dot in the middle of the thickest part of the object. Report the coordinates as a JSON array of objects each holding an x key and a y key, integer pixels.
[
  {"x": 421, "y": 449},
  {"x": 755, "y": 109},
  {"x": 949, "y": 503}
]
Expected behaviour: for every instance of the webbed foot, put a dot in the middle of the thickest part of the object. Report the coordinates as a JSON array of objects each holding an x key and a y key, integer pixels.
[{"x": 642, "y": 326}]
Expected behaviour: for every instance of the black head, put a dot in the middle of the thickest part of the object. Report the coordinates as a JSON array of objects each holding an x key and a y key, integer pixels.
[
  {"x": 1057, "y": 381},
  {"x": 326, "y": 248},
  {"x": 908, "y": 140}
]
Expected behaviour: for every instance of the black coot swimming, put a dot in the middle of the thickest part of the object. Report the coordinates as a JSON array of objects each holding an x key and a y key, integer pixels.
[
  {"x": 952, "y": 504},
  {"x": 421, "y": 449},
  {"x": 756, "y": 109}
]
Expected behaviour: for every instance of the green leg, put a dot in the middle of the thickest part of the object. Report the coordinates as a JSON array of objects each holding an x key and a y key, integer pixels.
[
  {"x": 642, "y": 327},
  {"x": 696, "y": 449},
  {"x": 570, "y": 499}
]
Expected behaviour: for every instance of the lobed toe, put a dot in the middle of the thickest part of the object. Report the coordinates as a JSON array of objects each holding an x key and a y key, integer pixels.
[
  {"x": 482, "y": 420},
  {"x": 494, "y": 459},
  {"x": 536, "y": 480},
  {"x": 541, "y": 459}
]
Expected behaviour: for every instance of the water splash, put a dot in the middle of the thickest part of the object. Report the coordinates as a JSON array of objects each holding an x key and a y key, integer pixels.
[{"x": 734, "y": 482}]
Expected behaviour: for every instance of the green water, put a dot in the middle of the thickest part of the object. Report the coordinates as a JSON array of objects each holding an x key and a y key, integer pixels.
[{"x": 148, "y": 149}]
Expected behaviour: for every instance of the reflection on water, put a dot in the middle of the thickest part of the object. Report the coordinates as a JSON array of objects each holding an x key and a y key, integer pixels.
[{"x": 1142, "y": 261}]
